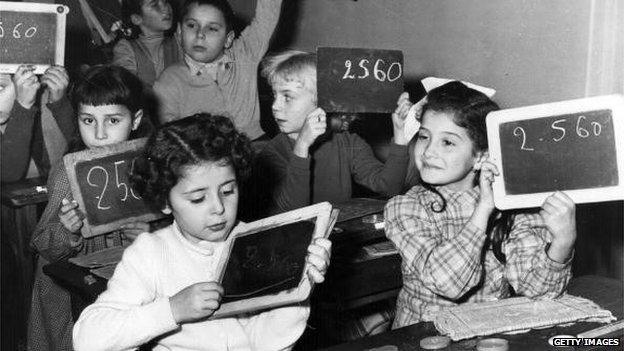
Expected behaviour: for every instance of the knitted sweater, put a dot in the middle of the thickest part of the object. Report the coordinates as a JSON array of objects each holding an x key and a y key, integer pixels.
[
  {"x": 135, "y": 307},
  {"x": 234, "y": 90}
]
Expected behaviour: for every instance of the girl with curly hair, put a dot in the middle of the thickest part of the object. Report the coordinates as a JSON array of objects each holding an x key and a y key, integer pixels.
[{"x": 165, "y": 286}]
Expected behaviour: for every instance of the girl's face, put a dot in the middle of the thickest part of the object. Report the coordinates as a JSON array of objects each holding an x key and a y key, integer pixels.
[
  {"x": 204, "y": 202},
  {"x": 106, "y": 124},
  {"x": 444, "y": 152},
  {"x": 156, "y": 17},
  {"x": 204, "y": 33},
  {"x": 292, "y": 102}
]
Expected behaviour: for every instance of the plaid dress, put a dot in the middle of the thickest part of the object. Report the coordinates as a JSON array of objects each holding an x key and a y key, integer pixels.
[
  {"x": 444, "y": 261},
  {"x": 50, "y": 322}
]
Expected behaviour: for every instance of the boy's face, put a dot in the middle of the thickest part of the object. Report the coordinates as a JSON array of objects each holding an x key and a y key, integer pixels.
[
  {"x": 7, "y": 97},
  {"x": 292, "y": 102},
  {"x": 106, "y": 124},
  {"x": 444, "y": 152},
  {"x": 156, "y": 17},
  {"x": 204, "y": 33},
  {"x": 204, "y": 201}
]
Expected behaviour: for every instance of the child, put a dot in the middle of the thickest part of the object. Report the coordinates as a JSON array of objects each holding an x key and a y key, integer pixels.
[
  {"x": 305, "y": 164},
  {"x": 36, "y": 121},
  {"x": 150, "y": 50},
  {"x": 165, "y": 286},
  {"x": 219, "y": 73},
  {"x": 455, "y": 247},
  {"x": 108, "y": 102}
]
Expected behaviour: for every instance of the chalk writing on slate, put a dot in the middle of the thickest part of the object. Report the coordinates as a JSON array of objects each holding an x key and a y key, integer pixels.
[
  {"x": 573, "y": 146},
  {"x": 31, "y": 33},
  {"x": 100, "y": 184},
  {"x": 559, "y": 153},
  {"x": 352, "y": 80},
  {"x": 267, "y": 262}
]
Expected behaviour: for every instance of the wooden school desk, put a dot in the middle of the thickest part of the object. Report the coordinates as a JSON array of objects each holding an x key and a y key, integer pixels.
[
  {"x": 22, "y": 203},
  {"x": 606, "y": 292}
]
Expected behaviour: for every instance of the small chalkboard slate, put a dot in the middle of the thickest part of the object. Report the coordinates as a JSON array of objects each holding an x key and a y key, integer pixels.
[
  {"x": 353, "y": 80},
  {"x": 266, "y": 265},
  {"x": 99, "y": 183},
  {"x": 31, "y": 33},
  {"x": 575, "y": 146}
]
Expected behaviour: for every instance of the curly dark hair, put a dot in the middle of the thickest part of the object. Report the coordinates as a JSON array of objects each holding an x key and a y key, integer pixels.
[{"x": 189, "y": 141}]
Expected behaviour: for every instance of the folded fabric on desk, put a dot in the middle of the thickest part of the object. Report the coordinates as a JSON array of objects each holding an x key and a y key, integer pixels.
[
  {"x": 101, "y": 263},
  {"x": 517, "y": 314}
]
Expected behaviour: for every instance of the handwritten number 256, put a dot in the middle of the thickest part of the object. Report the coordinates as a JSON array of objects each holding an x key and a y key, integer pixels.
[{"x": 127, "y": 191}]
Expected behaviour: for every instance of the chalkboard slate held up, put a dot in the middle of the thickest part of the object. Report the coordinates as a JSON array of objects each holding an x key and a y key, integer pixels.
[
  {"x": 99, "y": 182},
  {"x": 351, "y": 80},
  {"x": 575, "y": 146},
  {"x": 265, "y": 266},
  {"x": 31, "y": 33}
]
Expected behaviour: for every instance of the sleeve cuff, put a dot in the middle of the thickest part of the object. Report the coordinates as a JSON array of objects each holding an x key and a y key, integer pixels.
[
  {"x": 159, "y": 315},
  {"x": 554, "y": 265},
  {"x": 398, "y": 150}
]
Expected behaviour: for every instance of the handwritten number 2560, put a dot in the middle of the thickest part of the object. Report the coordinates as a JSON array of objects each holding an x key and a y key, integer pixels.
[
  {"x": 378, "y": 72},
  {"x": 28, "y": 33},
  {"x": 127, "y": 191}
]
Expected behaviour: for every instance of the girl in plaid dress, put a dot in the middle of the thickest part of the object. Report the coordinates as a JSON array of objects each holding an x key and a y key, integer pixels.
[
  {"x": 455, "y": 247},
  {"x": 108, "y": 102}
]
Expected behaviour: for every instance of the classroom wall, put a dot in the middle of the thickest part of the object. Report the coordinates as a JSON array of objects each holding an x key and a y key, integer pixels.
[{"x": 531, "y": 51}]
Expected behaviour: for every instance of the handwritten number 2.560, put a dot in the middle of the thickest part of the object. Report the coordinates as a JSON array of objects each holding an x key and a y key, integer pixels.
[
  {"x": 28, "y": 33},
  {"x": 127, "y": 191},
  {"x": 559, "y": 128},
  {"x": 378, "y": 72}
]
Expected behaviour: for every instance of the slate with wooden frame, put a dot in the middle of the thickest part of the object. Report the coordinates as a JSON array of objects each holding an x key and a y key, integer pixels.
[
  {"x": 265, "y": 266},
  {"x": 574, "y": 146},
  {"x": 33, "y": 34},
  {"x": 99, "y": 183}
]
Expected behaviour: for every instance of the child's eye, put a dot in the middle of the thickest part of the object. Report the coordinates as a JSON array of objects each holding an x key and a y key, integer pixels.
[
  {"x": 87, "y": 120},
  {"x": 197, "y": 200},
  {"x": 228, "y": 190},
  {"x": 447, "y": 142},
  {"x": 288, "y": 98},
  {"x": 422, "y": 136},
  {"x": 213, "y": 28},
  {"x": 190, "y": 25},
  {"x": 113, "y": 120}
]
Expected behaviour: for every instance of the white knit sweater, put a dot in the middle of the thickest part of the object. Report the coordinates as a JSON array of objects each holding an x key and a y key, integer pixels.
[{"x": 135, "y": 307}]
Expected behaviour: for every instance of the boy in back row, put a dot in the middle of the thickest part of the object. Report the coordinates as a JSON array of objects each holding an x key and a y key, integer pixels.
[{"x": 218, "y": 75}]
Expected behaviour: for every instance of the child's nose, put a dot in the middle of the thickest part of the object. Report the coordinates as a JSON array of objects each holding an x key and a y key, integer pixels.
[
  {"x": 216, "y": 205},
  {"x": 430, "y": 150},
  {"x": 100, "y": 131}
]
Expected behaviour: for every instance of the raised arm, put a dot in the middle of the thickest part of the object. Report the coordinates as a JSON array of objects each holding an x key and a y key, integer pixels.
[
  {"x": 384, "y": 178},
  {"x": 15, "y": 145},
  {"x": 447, "y": 264},
  {"x": 529, "y": 269},
  {"x": 254, "y": 40}
]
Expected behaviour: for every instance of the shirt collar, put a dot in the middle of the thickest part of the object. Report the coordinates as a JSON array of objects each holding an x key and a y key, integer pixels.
[
  {"x": 204, "y": 248},
  {"x": 197, "y": 68}
]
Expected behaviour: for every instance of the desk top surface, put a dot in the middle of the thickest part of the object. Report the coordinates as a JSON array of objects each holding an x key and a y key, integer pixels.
[
  {"x": 24, "y": 192},
  {"x": 606, "y": 292}
]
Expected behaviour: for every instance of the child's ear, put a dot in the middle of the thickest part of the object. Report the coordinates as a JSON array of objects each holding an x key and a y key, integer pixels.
[
  {"x": 136, "y": 19},
  {"x": 137, "y": 119},
  {"x": 229, "y": 39}
]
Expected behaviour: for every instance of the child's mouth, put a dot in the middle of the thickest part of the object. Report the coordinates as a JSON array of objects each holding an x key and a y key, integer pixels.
[
  {"x": 199, "y": 48},
  {"x": 217, "y": 227}
]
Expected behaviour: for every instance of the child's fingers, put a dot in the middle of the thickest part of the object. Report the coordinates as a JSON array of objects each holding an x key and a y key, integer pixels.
[
  {"x": 319, "y": 261},
  {"x": 403, "y": 98},
  {"x": 66, "y": 205},
  {"x": 324, "y": 243},
  {"x": 211, "y": 286},
  {"x": 315, "y": 275}
]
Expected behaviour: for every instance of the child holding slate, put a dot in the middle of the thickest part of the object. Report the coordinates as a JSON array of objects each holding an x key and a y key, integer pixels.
[
  {"x": 108, "y": 102},
  {"x": 150, "y": 50},
  {"x": 219, "y": 73},
  {"x": 308, "y": 165},
  {"x": 165, "y": 286},
  {"x": 455, "y": 246}
]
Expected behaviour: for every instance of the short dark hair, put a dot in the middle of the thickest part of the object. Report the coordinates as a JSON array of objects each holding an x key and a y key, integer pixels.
[
  {"x": 188, "y": 141},
  {"x": 108, "y": 85},
  {"x": 221, "y": 5}
]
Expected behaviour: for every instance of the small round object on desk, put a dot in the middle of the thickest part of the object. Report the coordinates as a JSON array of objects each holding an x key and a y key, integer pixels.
[
  {"x": 493, "y": 344},
  {"x": 435, "y": 342}
]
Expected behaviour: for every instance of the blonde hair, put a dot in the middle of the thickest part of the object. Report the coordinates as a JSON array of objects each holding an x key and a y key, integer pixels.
[{"x": 291, "y": 65}]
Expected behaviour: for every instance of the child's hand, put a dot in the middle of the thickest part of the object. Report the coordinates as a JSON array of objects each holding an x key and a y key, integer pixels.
[
  {"x": 196, "y": 301},
  {"x": 319, "y": 253},
  {"x": 26, "y": 84},
  {"x": 131, "y": 230},
  {"x": 559, "y": 215},
  {"x": 315, "y": 125},
  {"x": 398, "y": 118},
  {"x": 7, "y": 97},
  {"x": 56, "y": 80},
  {"x": 486, "y": 178},
  {"x": 70, "y": 216}
]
